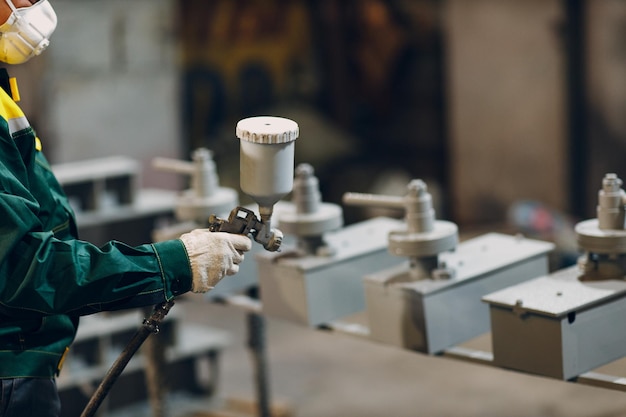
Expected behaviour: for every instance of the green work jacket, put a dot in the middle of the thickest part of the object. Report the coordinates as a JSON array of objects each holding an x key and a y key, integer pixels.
[{"x": 48, "y": 278}]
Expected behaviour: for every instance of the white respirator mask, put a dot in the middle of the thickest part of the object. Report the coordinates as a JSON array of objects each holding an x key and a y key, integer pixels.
[{"x": 26, "y": 32}]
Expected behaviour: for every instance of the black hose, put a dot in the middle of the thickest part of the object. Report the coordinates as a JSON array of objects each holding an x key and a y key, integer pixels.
[{"x": 149, "y": 326}]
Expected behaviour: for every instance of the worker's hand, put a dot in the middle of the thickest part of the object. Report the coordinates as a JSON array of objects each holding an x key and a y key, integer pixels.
[{"x": 213, "y": 255}]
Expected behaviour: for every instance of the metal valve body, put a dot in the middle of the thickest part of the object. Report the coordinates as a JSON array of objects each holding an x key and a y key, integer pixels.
[
  {"x": 571, "y": 321},
  {"x": 432, "y": 302}
]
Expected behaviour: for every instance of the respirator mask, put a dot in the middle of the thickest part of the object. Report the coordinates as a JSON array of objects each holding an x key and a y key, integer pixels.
[{"x": 26, "y": 32}]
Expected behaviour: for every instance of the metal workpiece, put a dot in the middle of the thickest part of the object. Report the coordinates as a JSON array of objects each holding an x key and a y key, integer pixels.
[
  {"x": 205, "y": 196},
  {"x": 315, "y": 289},
  {"x": 306, "y": 216},
  {"x": 431, "y": 315},
  {"x": 318, "y": 278},
  {"x": 603, "y": 240},
  {"x": 607, "y": 233},
  {"x": 572, "y": 321},
  {"x": 611, "y": 201},
  {"x": 557, "y": 325},
  {"x": 424, "y": 238}
]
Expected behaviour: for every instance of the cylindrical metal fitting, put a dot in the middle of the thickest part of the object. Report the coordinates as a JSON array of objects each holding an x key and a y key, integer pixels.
[
  {"x": 372, "y": 200},
  {"x": 425, "y": 236},
  {"x": 306, "y": 216},
  {"x": 306, "y": 195},
  {"x": 205, "y": 197},
  {"x": 605, "y": 235},
  {"x": 420, "y": 215},
  {"x": 611, "y": 200},
  {"x": 205, "y": 181}
]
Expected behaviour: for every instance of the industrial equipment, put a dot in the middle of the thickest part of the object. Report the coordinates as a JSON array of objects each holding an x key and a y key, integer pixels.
[
  {"x": 432, "y": 302},
  {"x": 572, "y": 321},
  {"x": 317, "y": 279}
]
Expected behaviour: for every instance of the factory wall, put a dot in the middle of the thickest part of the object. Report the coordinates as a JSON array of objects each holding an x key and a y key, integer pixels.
[
  {"x": 505, "y": 65},
  {"x": 606, "y": 96}
]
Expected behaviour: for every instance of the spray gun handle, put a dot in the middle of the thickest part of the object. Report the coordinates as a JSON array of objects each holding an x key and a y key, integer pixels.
[{"x": 243, "y": 221}]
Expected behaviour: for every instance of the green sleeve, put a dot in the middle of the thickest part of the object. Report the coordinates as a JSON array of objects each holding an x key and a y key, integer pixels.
[{"x": 42, "y": 274}]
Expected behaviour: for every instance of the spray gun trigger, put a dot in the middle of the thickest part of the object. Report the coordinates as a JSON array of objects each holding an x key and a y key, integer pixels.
[{"x": 243, "y": 221}]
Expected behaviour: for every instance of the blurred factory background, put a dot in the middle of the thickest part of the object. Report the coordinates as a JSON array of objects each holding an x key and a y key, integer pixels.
[
  {"x": 499, "y": 105},
  {"x": 492, "y": 101}
]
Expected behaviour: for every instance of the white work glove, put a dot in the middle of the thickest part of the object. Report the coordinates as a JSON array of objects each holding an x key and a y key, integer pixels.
[{"x": 213, "y": 255}]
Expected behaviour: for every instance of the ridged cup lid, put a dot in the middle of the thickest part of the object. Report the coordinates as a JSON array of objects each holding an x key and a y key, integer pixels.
[{"x": 267, "y": 129}]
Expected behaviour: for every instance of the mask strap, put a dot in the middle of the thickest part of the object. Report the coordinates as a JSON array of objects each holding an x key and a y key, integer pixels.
[{"x": 11, "y": 5}]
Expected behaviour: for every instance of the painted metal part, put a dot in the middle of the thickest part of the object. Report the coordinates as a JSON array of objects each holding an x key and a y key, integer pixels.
[
  {"x": 557, "y": 325},
  {"x": 205, "y": 196},
  {"x": 433, "y": 314},
  {"x": 572, "y": 321},
  {"x": 306, "y": 217},
  {"x": 316, "y": 289}
]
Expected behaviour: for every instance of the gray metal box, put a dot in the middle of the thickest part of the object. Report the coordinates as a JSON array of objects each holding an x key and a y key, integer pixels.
[
  {"x": 314, "y": 290},
  {"x": 432, "y": 315},
  {"x": 557, "y": 326}
]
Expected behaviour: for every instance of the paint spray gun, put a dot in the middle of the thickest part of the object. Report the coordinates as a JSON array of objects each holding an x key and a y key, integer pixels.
[{"x": 266, "y": 175}]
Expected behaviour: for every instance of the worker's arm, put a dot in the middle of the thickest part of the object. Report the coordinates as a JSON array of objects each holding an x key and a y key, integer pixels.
[
  {"x": 42, "y": 274},
  {"x": 45, "y": 270}
]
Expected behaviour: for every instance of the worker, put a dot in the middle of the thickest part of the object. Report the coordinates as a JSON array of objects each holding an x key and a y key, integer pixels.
[{"x": 48, "y": 277}]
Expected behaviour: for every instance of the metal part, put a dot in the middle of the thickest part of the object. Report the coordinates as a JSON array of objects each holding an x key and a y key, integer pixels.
[
  {"x": 314, "y": 289},
  {"x": 433, "y": 301},
  {"x": 205, "y": 196},
  {"x": 306, "y": 216},
  {"x": 558, "y": 326},
  {"x": 319, "y": 279},
  {"x": 431, "y": 315},
  {"x": 568, "y": 323},
  {"x": 603, "y": 240},
  {"x": 424, "y": 237}
]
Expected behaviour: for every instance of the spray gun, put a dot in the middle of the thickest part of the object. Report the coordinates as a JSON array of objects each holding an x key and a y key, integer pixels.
[{"x": 266, "y": 176}]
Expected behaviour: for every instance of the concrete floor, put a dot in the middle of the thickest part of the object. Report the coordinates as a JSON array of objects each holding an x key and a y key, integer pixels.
[{"x": 322, "y": 374}]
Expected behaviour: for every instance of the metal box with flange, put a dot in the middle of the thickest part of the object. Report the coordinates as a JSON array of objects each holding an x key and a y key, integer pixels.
[
  {"x": 557, "y": 325},
  {"x": 430, "y": 315}
]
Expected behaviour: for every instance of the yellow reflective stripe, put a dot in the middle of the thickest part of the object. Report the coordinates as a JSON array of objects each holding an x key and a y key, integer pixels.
[
  {"x": 12, "y": 113},
  {"x": 8, "y": 108},
  {"x": 38, "y": 144},
  {"x": 15, "y": 92}
]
